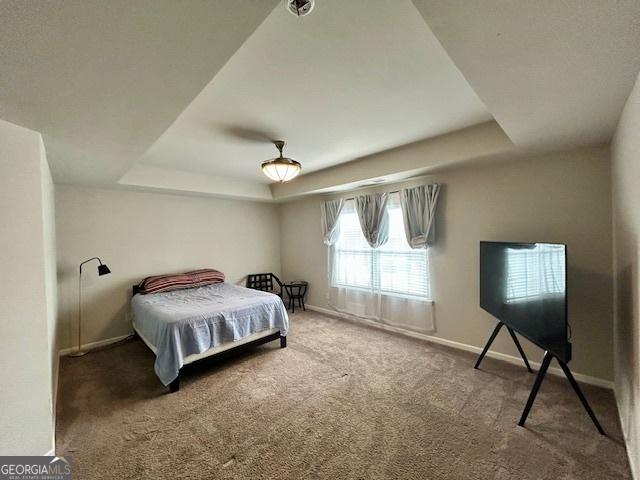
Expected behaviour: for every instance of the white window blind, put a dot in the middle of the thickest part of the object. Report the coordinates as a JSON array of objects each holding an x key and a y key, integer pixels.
[
  {"x": 393, "y": 269},
  {"x": 535, "y": 272}
]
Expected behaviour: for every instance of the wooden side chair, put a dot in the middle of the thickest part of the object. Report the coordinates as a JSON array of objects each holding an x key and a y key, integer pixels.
[{"x": 266, "y": 282}]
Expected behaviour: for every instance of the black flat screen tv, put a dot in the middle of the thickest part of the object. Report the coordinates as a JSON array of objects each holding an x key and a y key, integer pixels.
[{"x": 524, "y": 285}]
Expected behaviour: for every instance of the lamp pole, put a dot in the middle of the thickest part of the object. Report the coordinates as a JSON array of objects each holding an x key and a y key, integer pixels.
[{"x": 102, "y": 270}]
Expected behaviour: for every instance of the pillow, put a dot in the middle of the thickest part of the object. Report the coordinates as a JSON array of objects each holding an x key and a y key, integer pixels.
[{"x": 193, "y": 279}]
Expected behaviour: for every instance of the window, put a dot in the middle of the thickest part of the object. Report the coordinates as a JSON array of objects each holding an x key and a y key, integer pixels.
[
  {"x": 535, "y": 272},
  {"x": 393, "y": 269}
]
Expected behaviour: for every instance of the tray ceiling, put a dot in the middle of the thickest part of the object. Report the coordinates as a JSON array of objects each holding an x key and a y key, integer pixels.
[
  {"x": 348, "y": 80},
  {"x": 153, "y": 95}
]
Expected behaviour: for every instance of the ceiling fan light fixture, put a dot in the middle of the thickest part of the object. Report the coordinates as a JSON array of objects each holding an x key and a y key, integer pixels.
[{"x": 281, "y": 169}]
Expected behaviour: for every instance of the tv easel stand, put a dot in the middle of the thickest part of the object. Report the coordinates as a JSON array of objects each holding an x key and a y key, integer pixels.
[
  {"x": 493, "y": 336},
  {"x": 546, "y": 361}
]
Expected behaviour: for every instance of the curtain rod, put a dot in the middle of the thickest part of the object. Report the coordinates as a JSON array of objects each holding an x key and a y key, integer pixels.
[
  {"x": 373, "y": 186},
  {"x": 353, "y": 198}
]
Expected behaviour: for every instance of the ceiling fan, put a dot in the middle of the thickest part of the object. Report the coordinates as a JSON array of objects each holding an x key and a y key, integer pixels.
[{"x": 281, "y": 169}]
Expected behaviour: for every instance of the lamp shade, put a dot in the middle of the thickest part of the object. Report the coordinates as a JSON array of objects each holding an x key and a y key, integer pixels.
[
  {"x": 281, "y": 169},
  {"x": 103, "y": 270}
]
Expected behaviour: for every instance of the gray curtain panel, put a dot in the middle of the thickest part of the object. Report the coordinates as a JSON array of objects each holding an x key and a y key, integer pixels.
[
  {"x": 330, "y": 213},
  {"x": 374, "y": 218},
  {"x": 418, "y": 211}
]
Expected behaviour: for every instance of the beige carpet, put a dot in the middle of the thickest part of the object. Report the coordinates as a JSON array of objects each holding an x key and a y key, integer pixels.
[{"x": 341, "y": 401}]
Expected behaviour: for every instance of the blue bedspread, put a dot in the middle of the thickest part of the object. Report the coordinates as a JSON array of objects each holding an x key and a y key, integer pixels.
[{"x": 186, "y": 322}]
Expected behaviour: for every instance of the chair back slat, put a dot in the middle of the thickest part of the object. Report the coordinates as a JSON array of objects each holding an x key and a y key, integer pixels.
[{"x": 262, "y": 281}]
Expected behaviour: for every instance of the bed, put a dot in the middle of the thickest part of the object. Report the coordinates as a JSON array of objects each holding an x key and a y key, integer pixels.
[{"x": 187, "y": 325}]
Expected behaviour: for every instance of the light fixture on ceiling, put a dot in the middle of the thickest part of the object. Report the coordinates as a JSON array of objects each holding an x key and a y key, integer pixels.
[
  {"x": 300, "y": 8},
  {"x": 281, "y": 169}
]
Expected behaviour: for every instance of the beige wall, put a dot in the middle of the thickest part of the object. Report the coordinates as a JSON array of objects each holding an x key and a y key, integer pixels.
[
  {"x": 27, "y": 294},
  {"x": 140, "y": 234},
  {"x": 560, "y": 197},
  {"x": 626, "y": 202}
]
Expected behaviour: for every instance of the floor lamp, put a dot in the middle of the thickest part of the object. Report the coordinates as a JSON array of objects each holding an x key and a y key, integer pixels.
[{"x": 102, "y": 270}]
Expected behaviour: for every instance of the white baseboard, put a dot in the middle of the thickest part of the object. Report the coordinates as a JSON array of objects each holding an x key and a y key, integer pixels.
[
  {"x": 599, "y": 382},
  {"x": 625, "y": 435},
  {"x": 92, "y": 345}
]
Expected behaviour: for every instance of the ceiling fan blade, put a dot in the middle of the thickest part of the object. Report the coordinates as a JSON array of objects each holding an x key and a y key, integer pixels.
[{"x": 249, "y": 134}]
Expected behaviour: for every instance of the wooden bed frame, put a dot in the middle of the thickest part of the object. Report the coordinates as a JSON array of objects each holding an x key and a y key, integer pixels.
[{"x": 232, "y": 351}]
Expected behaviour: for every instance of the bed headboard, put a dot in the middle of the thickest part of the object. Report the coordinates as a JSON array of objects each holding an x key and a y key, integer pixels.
[{"x": 135, "y": 289}]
